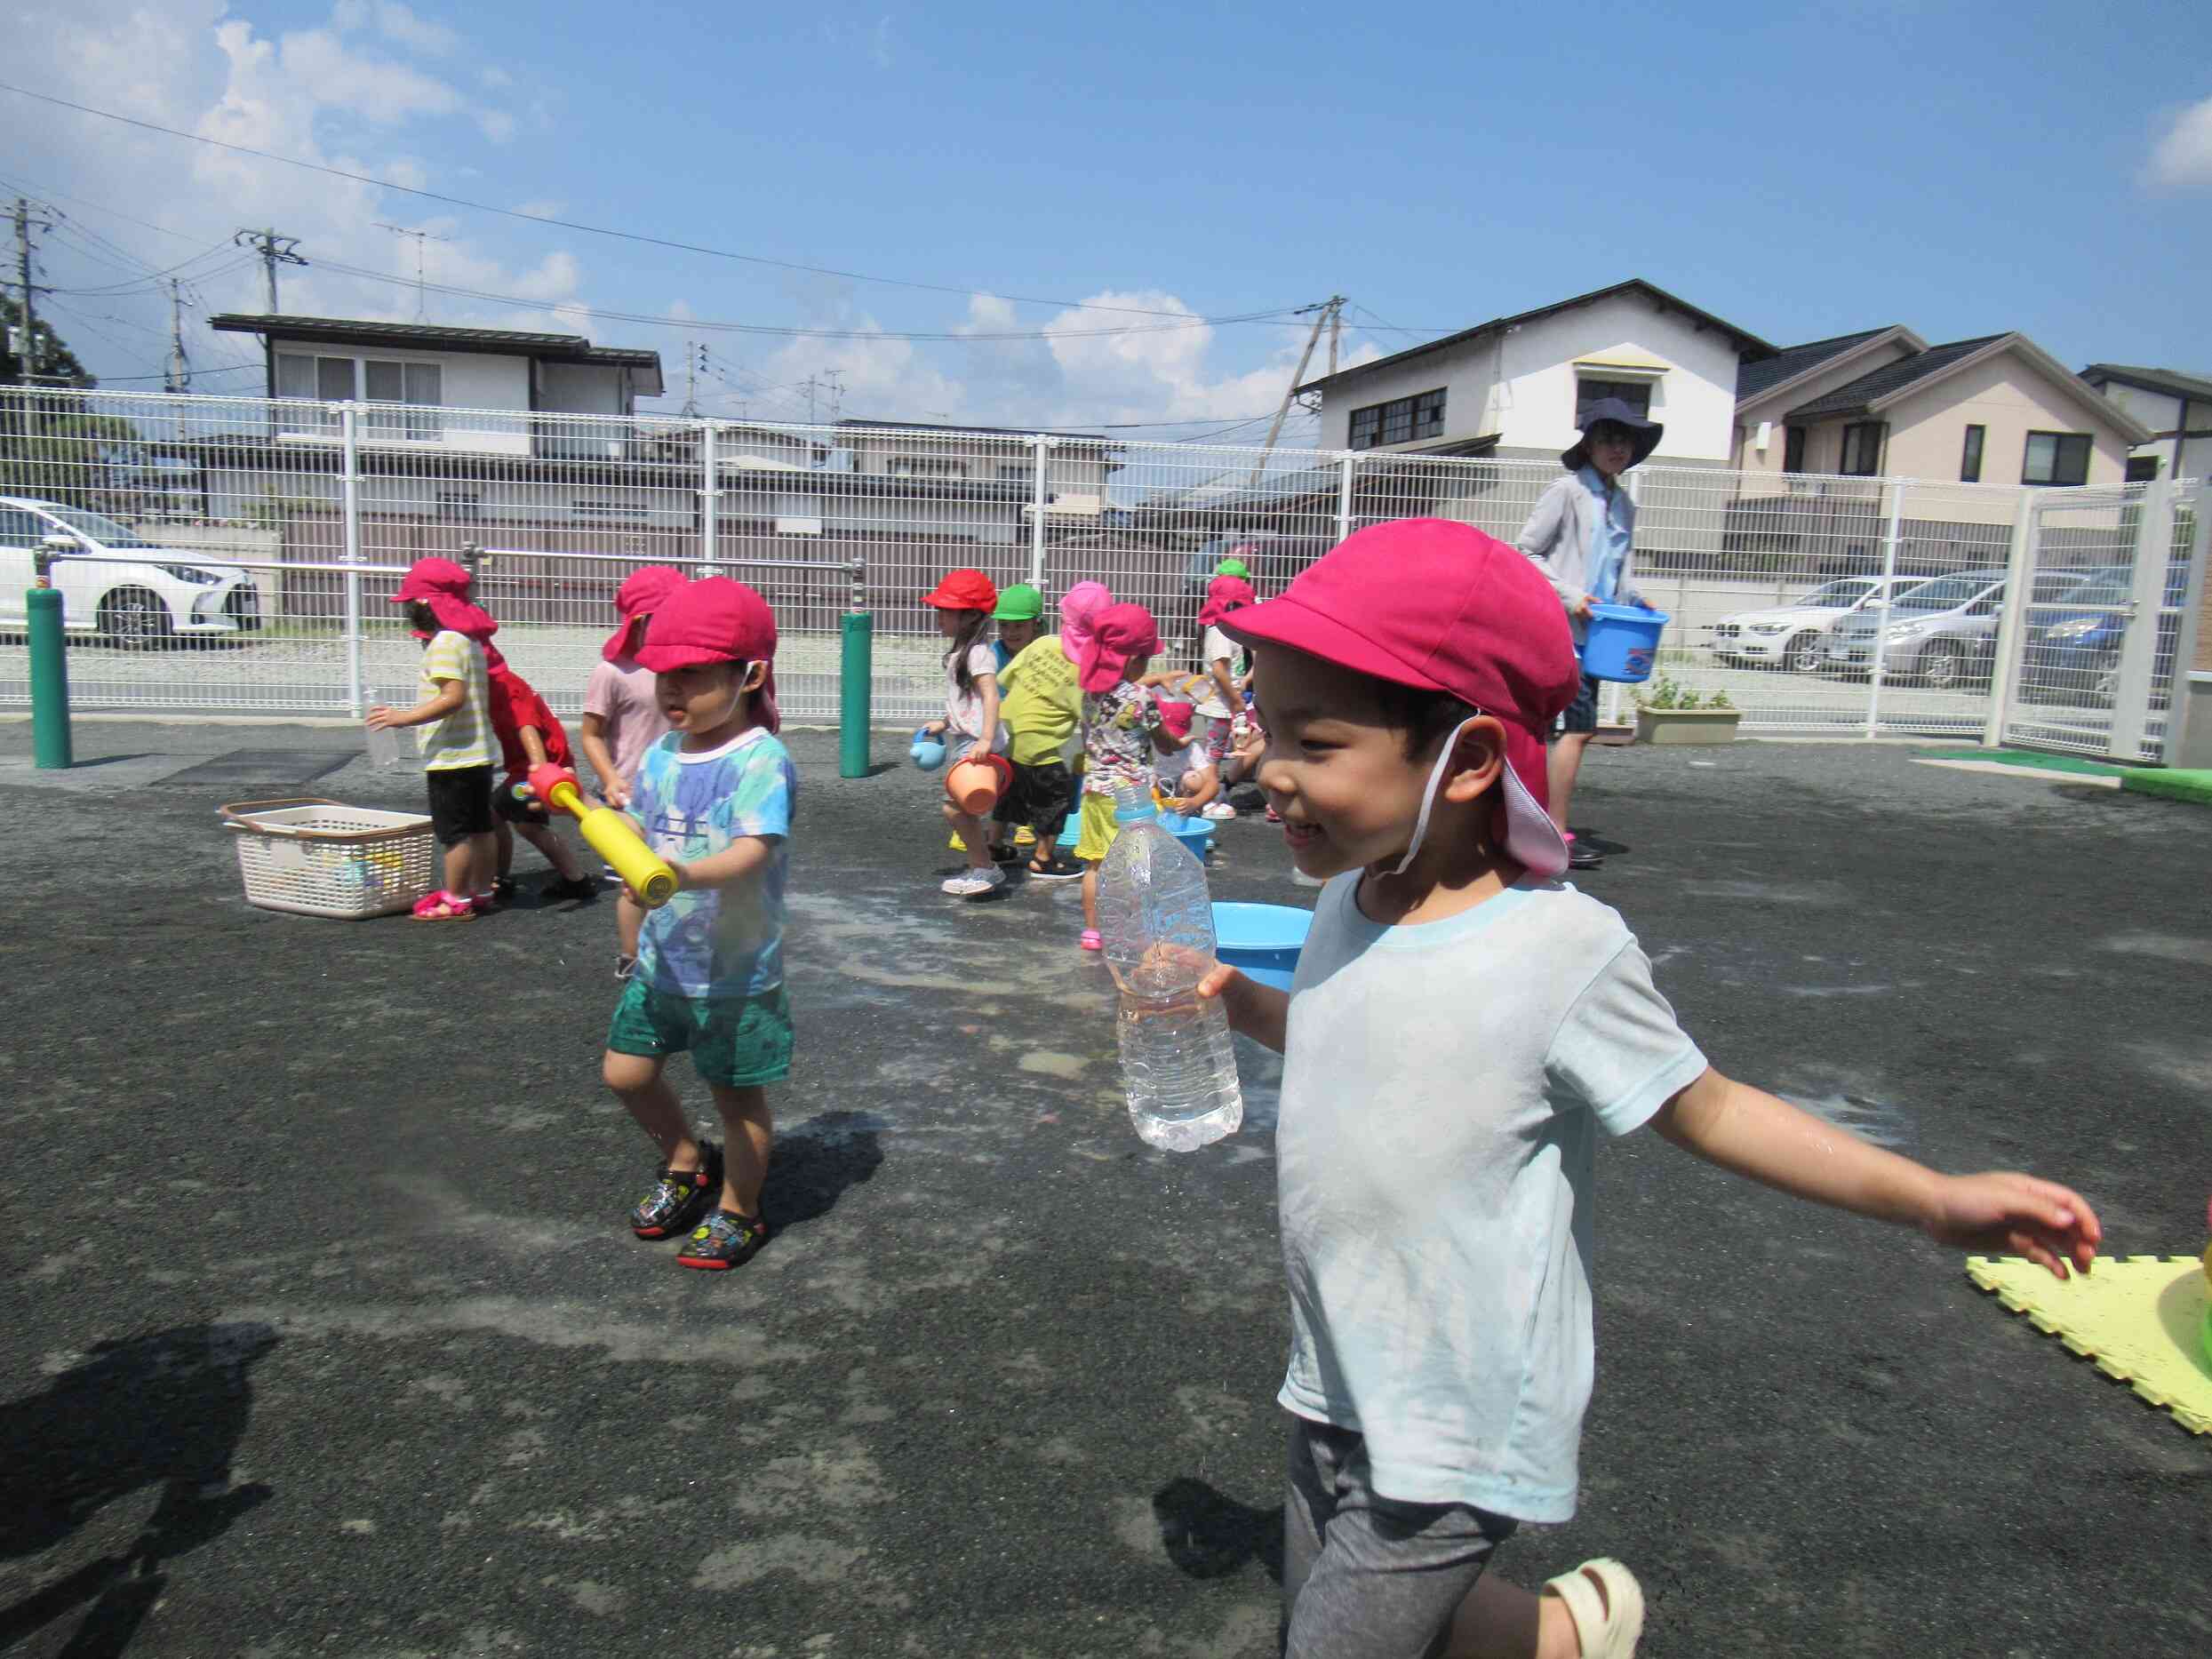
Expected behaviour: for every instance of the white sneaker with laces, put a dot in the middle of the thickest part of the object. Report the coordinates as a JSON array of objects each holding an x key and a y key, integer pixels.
[{"x": 974, "y": 883}]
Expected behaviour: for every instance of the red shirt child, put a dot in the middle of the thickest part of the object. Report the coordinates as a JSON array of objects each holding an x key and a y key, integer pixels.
[{"x": 515, "y": 704}]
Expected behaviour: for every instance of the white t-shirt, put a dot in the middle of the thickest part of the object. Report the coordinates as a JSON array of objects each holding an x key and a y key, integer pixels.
[
  {"x": 1443, "y": 1088},
  {"x": 963, "y": 714},
  {"x": 1216, "y": 648}
]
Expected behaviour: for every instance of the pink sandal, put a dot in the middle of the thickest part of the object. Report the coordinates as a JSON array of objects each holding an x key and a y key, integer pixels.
[
  {"x": 443, "y": 907},
  {"x": 1091, "y": 941}
]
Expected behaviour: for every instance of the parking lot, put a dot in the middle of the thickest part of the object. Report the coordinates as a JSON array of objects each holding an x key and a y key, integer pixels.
[{"x": 325, "y": 1335}]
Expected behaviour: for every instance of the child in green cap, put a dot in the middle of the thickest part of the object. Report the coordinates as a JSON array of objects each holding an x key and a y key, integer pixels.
[{"x": 1042, "y": 706}]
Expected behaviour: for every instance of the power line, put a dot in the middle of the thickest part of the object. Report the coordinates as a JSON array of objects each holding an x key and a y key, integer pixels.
[{"x": 592, "y": 230}]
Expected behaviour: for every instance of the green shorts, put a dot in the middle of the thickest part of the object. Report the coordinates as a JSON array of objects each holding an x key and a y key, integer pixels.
[{"x": 738, "y": 1042}]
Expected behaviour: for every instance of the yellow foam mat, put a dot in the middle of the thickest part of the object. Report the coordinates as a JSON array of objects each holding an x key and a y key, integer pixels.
[{"x": 2139, "y": 1317}]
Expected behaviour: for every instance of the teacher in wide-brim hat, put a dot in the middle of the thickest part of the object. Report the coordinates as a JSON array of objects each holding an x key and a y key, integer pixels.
[{"x": 1582, "y": 535}]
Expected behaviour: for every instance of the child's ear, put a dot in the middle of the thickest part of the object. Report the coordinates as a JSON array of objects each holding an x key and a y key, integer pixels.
[
  {"x": 1477, "y": 756},
  {"x": 755, "y": 676}
]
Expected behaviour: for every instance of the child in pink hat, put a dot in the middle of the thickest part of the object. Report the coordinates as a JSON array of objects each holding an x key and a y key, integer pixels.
[
  {"x": 453, "y": 716},
  {"x": 1121, "y": 733},
  {"x": 1462, "y": 1031},
  {"x": 716, "y": 799},
  {"x": 622, "y": 719}
]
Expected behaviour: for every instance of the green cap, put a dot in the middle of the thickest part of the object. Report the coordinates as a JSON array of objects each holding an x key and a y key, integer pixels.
[
  {"x": 1233, "y": 567},
  {"x": 1018, "y": 604}
]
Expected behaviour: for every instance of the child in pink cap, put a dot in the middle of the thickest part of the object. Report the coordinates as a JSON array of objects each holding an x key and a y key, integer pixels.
[
  {"x": 622, "y": 719},
  {"x": 453, "y": 715},
  {"x": 714, "y": 797},
  {"x": 1462, "y": 1031},
  {"x": 1121, "y": 733}
]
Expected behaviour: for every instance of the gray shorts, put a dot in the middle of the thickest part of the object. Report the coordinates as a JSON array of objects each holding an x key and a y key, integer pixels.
[{"x": 1366, "y": 1576}]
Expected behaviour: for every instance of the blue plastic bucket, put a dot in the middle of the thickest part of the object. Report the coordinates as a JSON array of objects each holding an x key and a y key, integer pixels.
[
  {"x": 1195, "y": 834},
  {"x": 1263, "y": 940},
  {"x": 1622, "y": 642}
]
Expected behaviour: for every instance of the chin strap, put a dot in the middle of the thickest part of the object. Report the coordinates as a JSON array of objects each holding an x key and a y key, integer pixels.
[{"x": 1428, "y": 795}]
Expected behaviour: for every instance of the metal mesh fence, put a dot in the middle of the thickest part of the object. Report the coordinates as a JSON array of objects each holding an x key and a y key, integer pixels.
[{"x": 239, "y": 553}]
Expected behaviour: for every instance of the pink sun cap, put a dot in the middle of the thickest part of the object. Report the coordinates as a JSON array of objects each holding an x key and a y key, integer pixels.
[{"x": 1438, "y": 605}]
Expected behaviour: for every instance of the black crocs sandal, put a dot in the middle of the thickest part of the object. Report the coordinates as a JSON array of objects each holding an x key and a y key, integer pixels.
[
  {"x": 1059, "y": 870},
  {"x": 723, "y": 1241},
  {"x": 1005, "y": 852},
  {"x": 678, "y": 1196}
]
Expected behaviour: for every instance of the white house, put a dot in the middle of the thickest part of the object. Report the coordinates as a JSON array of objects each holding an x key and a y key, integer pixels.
[
  {"x": 2177, "y": 409},
  {"x": 1515, "y": 386}
]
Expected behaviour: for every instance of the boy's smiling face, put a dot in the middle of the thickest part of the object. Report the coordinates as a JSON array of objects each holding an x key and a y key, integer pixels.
[
  {"x": 1348, "y": 793},
  {"x": 705, "y": 697},
  {"x": 1017, "y": 635}
]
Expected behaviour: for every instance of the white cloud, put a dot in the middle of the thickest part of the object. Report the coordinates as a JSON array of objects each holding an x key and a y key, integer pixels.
[
  {"x": 497, "y": 125},
  {"x": 880, "y": 44},
  {"x": 498, "y": 79},
  {"x": 2183, "y": 157},
  {"x": 396, "y": 22},
  {"x": 345, "y": 79}
]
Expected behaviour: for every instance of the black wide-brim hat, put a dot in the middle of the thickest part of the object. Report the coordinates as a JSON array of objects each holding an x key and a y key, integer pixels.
[{"x": 1645, "y": 434}]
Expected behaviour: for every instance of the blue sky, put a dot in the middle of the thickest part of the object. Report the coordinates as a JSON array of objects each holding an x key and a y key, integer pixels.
[{"x": 1816, "y": 172}]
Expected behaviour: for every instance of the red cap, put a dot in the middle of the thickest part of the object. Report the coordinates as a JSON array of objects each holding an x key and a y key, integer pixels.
[
  {"x": 1177, "y": 718},
  {"x": 1437, "y": 604},
  {"x": 716, "y": 621},
  {"x": 641, "y": 593},
  {"x": 1224, "y": 594},
  {"x": 442, "y": 586},
  {"x": 963, "y": 590},
  {"x": 1118, "y": 633}
]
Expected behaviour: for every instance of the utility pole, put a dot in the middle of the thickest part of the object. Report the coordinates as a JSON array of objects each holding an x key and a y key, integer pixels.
[
  {"x": 836, "y": 379},
  {"x": 27, "y": 359},
  {"x": 810, "y": 384},
  {"x": 179, "y": 376},
  {"x": 422, "y": 237},
  {"x": 274, "y": 250},
  {"x": 1325, "y": 315}
]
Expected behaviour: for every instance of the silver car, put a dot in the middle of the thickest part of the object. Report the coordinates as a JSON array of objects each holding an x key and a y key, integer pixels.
[{"x": 1942, "y": 633}]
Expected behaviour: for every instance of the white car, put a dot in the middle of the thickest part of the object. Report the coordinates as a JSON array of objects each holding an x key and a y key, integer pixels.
[
  {"x": 117, "y": 584},
  {"x": 1796, "y": 637}
]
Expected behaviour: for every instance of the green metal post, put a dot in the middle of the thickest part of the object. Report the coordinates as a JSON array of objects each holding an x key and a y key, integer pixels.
[
  {"x": 49, "y": 681},
  {"x": 856, "y": 676}
]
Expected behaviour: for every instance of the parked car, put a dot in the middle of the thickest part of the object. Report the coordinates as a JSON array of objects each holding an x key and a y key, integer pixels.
[
  {"x": 115, "y": 584},
  {"x": 1795, "y": 636},
  {"x": 2072, "y": 652},
  {"x": 1941, "y": 632}
]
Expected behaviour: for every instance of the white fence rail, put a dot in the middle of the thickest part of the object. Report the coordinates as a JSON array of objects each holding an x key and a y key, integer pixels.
[{"x": 238, "y": 555}]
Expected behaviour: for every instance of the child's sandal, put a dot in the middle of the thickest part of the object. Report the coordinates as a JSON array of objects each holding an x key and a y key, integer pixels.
[
  {"x": 1610, "y": 1624},
  {"x": 1058, "y": 870},
  {"x": 723, "y": 1241},
  {"x": 443, "y": 907},
  {"x": 678, "y": 1196}
]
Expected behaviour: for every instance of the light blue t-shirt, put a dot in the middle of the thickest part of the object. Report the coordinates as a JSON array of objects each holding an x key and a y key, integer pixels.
[
  {"x": 719, "y": 941},
  {"x": 1444, "y": 1086},
  {"x": 1610, "y": 534}
]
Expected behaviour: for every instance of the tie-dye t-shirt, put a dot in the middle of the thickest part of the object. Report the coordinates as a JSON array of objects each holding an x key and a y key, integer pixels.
[{"x": 717, "y": 941}]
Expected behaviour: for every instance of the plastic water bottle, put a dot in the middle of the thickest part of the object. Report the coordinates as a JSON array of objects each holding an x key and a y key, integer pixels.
[{"x": 1156, "y": 920}]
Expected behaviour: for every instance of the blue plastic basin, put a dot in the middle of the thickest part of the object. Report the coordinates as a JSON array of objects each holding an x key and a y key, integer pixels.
[
  {"x": 1264, "y": 940},
  {"x": 1195, "y": 834},
  {"x": 1621, "y": 642}
]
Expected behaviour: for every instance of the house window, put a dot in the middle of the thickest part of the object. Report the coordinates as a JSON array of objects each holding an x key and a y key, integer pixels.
[
  {"x": 1970, "y": 458},
  {"x": 609, "y": 512},
  {"x": 1401, "y": 420},
  {"x": 461, "y": 506},
  {"x": 1862, "y": 450},
  {"x": 2057, "y": 458},
  {"x": 2142, "y": 469},
  {"x": 1793, "y": 450},
  {"x": 925, "y": 466},
  {"x": 1635, "y": 394},
  {"x": 413, "y": 384},
  {"x": 1010, "y": 473}
]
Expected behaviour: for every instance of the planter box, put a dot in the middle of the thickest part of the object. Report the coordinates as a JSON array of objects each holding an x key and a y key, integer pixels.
[{"x": 1687, "y": 725}]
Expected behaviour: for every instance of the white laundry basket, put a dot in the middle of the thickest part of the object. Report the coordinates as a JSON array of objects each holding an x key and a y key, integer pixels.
[{"x": 320, "y": 858}]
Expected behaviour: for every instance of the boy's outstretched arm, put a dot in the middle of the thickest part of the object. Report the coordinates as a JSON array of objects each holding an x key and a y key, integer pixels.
[
  {"x": 1749, "y": 1132},
  {"x": 740, "y": 859}
]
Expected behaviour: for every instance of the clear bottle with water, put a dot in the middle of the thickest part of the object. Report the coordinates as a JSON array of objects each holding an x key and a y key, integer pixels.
[{"x": 1155, "y": 919}]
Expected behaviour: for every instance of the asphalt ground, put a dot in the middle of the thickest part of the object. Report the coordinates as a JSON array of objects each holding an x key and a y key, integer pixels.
[{"x": 325, "y": 1337}]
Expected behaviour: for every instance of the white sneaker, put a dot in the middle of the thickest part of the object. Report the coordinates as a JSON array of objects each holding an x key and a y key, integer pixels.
[
  {"x": 974, "y": 883},
  {"x": 1220, "y": 812}
]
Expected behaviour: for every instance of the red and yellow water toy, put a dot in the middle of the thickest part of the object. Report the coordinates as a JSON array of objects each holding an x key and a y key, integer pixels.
[{"x": 610, "y": 835}]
